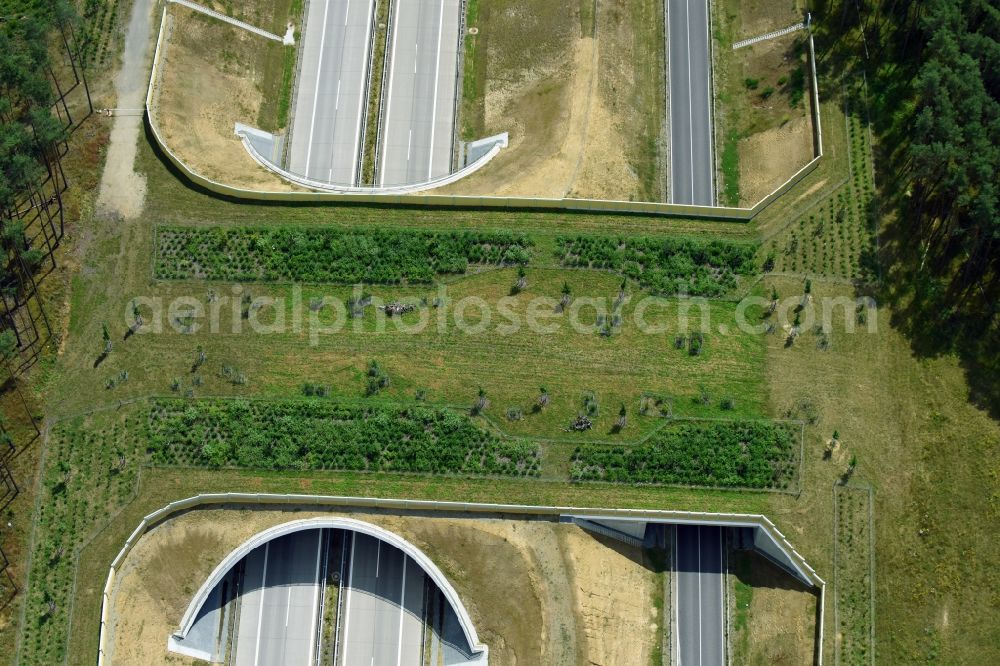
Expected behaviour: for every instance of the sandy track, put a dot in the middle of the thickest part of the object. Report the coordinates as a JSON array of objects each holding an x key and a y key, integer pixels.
[{"x": 122, "y": 190}]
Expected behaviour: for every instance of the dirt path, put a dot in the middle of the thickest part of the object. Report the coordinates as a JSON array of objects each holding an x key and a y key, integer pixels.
[{"x": 122, "y": 190}]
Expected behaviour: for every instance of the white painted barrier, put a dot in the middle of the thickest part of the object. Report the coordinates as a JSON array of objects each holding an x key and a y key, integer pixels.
[
  {"x": 228, "y": 19},
  {"x": 771, "y": 35},
  {"x": 254, "y": 542},
  {"x": 387, "y": 189}
]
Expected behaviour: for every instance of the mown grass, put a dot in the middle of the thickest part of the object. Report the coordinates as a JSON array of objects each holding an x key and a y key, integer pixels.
[
  {"x": 420, "y": 352},
  {"x": 472, "y": 112},
  {"x": 729, "y": 163},
  {"x": 379, "y": 44}
]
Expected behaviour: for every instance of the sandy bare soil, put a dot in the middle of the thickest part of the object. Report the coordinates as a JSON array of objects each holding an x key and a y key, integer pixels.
[
  {"x": 204, "y": 91},
  {"x": 758, "y": 17},
  {"x": 769, "y": 158},
  {"x": 781, "y": 619},
  {"x": 567, "y": 108},
  {"x": 538, "y": 592},
  {"x": 122, "y": 191}
]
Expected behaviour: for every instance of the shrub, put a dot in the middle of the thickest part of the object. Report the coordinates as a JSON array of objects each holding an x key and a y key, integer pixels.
[
  {"x": 283, "y": 253},
  {"x": 299, "y": 434},
  {"x": 750, "y": 454},
  {"x": 664, "y": 266}
]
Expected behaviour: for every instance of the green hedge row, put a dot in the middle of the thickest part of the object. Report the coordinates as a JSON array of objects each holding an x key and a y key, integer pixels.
[
  {"x": 664, "y": 266},
  {"x": 329, "y": 255},
  {"x": 745, "y": 454},
  {"x": 296, "y": 434}
]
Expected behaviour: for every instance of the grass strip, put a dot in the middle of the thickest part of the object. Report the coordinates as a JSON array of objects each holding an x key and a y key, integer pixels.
[
  {"x": 374, "y": 117},
  {"x": 473, "y": 111}
]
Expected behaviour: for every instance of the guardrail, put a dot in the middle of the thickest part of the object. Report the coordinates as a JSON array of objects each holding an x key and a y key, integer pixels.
[
  {"x": 485, "y": 201},
  {"x": 554, "y": 512}
]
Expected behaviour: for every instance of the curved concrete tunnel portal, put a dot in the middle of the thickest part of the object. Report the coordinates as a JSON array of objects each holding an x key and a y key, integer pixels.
[{"x": 392, "y": 603}]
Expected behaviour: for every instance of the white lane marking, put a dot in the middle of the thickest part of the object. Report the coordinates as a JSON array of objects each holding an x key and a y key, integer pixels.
[
  {"x": 437, "y": 78},
  {"x": 288, "y": 604},
  {"x": 350, "y": 585},
  {"x": 699, "y": 594},
  {"x": 319, "y": 70},
  {"x": 677, "y": 575},
  {"x": 362, "y": 98},
  {"x": 260, "y": 616},
  {"x": 687, "y": 11},
  {"x": 402, "y": 606},
  {"x": 317, "y": 583},
  {"x": 336, "y": 106},
  {"x": 388, "y": 96},
  {"x": 409, "y": 143},
  {"x": 378, "y": 556},
  {"x": 722, "y": 603}
]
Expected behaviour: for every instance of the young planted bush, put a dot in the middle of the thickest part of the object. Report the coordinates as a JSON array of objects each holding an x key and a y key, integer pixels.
[
  {"x": 665, "y": 266},
  {"x": 747, "y": 454},
  {"x": 373, "y": 256},
  {"x": 298, "y": 434}
]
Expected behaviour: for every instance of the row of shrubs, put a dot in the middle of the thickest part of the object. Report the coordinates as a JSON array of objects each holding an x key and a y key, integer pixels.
[
  {"x": 296, "y": 434},
  {"x": 322, "y": 254},
  {"x": 744, "y": 454},
  {"x": 664, "y": 266}
]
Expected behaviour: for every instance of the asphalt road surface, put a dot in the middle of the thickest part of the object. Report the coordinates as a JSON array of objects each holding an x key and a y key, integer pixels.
[
  {"x": 280, "y": 604},
  {"x": 418, "y": 126},
  {"x": 699, "y": 605},
  {"x": 690, "y": 97},
  {"x": 383, "y": 606},
  {"x": 333, "y": 87}
]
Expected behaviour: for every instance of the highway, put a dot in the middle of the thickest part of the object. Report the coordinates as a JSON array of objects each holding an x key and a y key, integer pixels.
[
  {"x": 327, "y": 125},
  {"x": 690, "y": 99},
  {"x": 699, "y": 605},
  {"x": 418, "y": 127},
  {"x": 383, "y": 612},
  {"x": 279, "y": 608}
]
